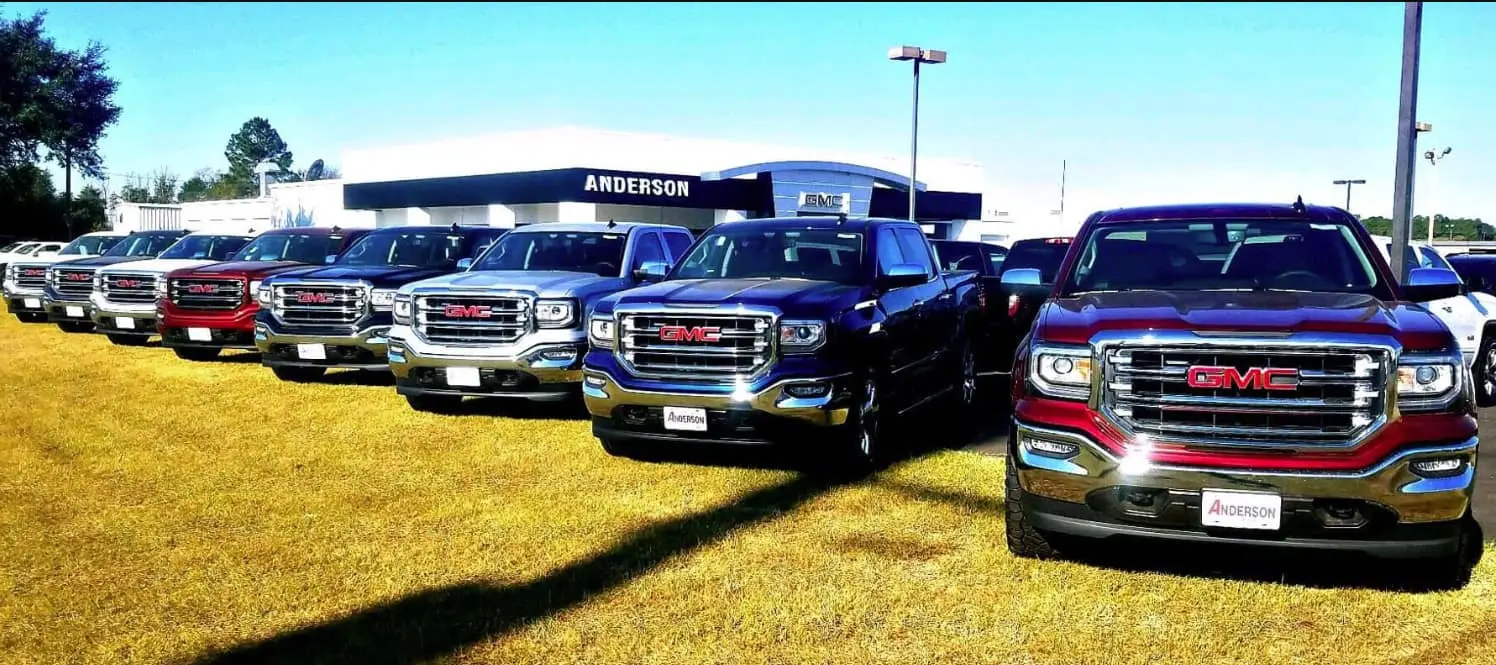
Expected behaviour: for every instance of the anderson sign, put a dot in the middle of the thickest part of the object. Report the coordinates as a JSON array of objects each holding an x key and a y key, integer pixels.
[{"x": 616, "y": 184}]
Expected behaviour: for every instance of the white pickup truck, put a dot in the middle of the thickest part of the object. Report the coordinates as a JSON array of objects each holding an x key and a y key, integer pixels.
[{"x": 1471, "y": 316}]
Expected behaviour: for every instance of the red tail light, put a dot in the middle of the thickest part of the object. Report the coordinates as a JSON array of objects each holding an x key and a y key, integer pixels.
[{"x": 1013, "y": 305}]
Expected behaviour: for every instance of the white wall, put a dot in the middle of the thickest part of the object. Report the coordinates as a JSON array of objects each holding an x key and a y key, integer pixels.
[
  {"x": 127, "y": 216},
  {"x": 690, "y": 218}
]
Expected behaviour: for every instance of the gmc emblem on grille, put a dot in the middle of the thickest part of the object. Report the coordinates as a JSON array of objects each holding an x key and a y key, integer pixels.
[
  {"x": 468, "y": 311},
  {"x": 202, "y": 288},
  {"x": 77, "y": 276},
  {"x": 1254, "y": 378},
  {"x": 126, "y": 283},
  {"x": 31, "y": 272},
  {"x": 314, "y": 298},
  {"x": 692, "y": 334}
]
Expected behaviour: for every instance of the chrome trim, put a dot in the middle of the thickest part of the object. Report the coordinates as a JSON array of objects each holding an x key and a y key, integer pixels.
[
  {"x": 603, "y": 399},
  {"x": 131, "y": 295},
  {"x": 178, "y": 293},
  {"x": 623, "y": 338},
  {"x": 355, "y": 301},
  {"x": 1453, "y": 483},
  {"x": 84, "y": 288},
  {"x": 523, "y": 326},
  {"x": 1056, "y": 390}
]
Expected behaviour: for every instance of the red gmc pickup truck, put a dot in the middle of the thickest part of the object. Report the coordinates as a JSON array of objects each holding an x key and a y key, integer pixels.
[
  {"x": 211, "y": 308},
  {"x": 1242, "y": 374}
]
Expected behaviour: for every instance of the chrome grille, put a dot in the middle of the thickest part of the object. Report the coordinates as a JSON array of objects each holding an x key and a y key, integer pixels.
[
  {"x": 29, "y": 277},
  {"x": 75, "y": 282},
  {"x": 472, "y": 319},
  {"x": 695, "y": 346},
  {"x": 206, "y": 294},
  {"x": 130, "y": 288},
  {"x": 320, "y": 304},
  {"x": 1338, "y": 395}
]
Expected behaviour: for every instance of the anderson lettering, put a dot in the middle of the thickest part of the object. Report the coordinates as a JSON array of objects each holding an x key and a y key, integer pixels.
[
  {"x": 614, "y": 184},
  {"x": 1256, "y": 512}
]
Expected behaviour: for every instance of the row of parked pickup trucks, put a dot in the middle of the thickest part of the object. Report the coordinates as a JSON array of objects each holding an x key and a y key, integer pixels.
[{"x": 1252, "y": 374}]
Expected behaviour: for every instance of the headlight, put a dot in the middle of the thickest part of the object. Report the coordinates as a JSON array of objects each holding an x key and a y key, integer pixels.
[
  {"x": 254, "y": 287},
  {"x": 98, "y": 281},
  {"x": 161, "y": 286},
  {"x": 402, "y": 309},
  {"x": 1061, "y": 371},
  {"x": 554, "y": 313},
  {"x": 51, "y": 277},
  {"x": 801, "y": 336},
  {"x": 600, "y": 333},
  {"x": 264, "y": 295},
  {"x": 382, "y": 298},
  {"x": 1427, "y": 384}
]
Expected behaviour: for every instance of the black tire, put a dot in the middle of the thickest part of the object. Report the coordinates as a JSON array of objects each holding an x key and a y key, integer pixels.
[
  {"x": 75, "y": 326},
  {"x": 128, "y": 340},
  {"x": 31, "y": 317},
  {"x": 965, "y": 398},
  {"x": 434, "y": 403},
  {"x": 1023, "y": 539},
  {"x": 1452, "y": 572},
  {"x": 298, "y": 374},
  {"x": 860, "y": 447},
  {"x": 1483, "y": 372},
  {"x": 198, "y": 354}
]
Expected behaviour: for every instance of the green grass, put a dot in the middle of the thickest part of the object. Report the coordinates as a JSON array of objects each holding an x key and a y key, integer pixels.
[{"x": 156, "y": 510}]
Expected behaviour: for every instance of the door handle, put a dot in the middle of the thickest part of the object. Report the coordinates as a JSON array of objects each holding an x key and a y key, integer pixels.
[{"x": 945, "y": 296}]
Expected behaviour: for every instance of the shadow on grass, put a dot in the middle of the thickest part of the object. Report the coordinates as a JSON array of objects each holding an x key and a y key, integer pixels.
[
  {"x": 513, "y": 407},
  {"x": 433, "y": 624},
  {"x": 356, "y": 377}
]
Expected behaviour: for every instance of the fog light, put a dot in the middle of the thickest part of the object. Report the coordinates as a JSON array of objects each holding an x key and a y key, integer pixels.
[
  {"x": 594, "y": 380},
  {"x": 806, "y": 390},
  {"x": 396, "y": 353},
  {"x": 1047, "y": 448},
  {"x": 558, "y": 355},
  {"x": 1440, "y": 467}
]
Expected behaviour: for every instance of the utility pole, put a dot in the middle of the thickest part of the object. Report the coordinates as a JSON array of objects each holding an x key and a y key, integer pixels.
[
  {"x": 1348, "y": 184},
  {"x": 1407, "y": 140}
]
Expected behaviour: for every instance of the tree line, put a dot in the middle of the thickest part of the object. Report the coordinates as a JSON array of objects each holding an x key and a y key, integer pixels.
[
  {"x": 1445, "y": 228},
  {"x": 256, "y": 142}
]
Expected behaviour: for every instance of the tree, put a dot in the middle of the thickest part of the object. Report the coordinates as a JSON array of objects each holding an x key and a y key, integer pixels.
[
  {"x": 89, "y": 212},
  {"x": 198, "y": 186},
  {"x": 162, "y": 188},
  {"x": 1445, "y": 228},
  {"x": 255, "y": 142}
]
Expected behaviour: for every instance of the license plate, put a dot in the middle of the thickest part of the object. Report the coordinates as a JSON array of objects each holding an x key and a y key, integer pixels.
[
  {"x": 74, "y": 312},
  {"x": 1241, "y": 510},
  {"x": 199, "y": 334},
  {"x": 689, "y": 420},
  {"x": 463, "y": 376},
  {"x": 124, "y": 323},
  {"x": 311, "y": 352},
  {"x": 32, "y": 303}
]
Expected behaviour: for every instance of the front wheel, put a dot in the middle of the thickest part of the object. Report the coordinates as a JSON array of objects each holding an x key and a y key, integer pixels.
[
  {"x": 1452, "y": 571},
  {"x": 1483, "y": 371},
  {"x": 196, "y": 353},
  {"x": 859, "y": 448},
  {"x": 75, "y": 326},
  {"x": 31, "y": 317},
  {"x": 128, "y": 340},
  {"x": 1024, "y": 539},
  {"x": 298, "y": 374},
  {"x": 433, "y": 403}
]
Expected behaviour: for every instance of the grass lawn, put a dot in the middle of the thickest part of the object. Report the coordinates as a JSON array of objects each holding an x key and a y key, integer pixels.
[{"x": 156, "y": 510}]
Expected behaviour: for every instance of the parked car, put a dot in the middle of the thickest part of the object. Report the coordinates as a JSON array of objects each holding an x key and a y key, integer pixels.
[
  {"x": 806, "y": 330},
  {"x": 1013, "y": 312},
  {"x": 339, "y": 316},
  {"x": 1250, "y": 375},
  {"x": 1478, "y": 270},
  {"x": 986, "y": 260},
  {"x": 26, "y": 279},
  {"x": 68, "y": 295},
  {"x": 25, "y": 251},
  {"x": 212, "y": 307},
  {"x": 513, "y": 323},
  {"x": 124, "y": 302}
]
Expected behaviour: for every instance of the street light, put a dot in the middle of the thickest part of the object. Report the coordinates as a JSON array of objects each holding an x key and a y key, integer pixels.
[
  {"x": 918, "y": 56},
  {"x": 1434, "y": 156},
  {"x": 1348, "y": 184}
]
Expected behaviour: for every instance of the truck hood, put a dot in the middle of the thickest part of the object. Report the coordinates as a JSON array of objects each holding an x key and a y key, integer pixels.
[
  {"x": 1075, "y": 320},
  {"x": 101, "y": 261},
  {"x": 382, "y": 277},
  {"x": 545, "y": 284},
  {"x": 249, "y": 269},
  {"x": 792, "y": 297},
  {"x": 161, "y": 266},
  {"x": 49, "y": 260}
]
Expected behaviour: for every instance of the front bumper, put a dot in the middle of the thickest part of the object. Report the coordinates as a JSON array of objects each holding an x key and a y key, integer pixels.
[
  {"x": 224, "y": 329},
  {"x": 68, "y": 311},
  {"x": 362, "y": 350},
  {"x": 768, "y": 415},
  {"x": 23, "y": 301},
  {"x": 545, "y": 365},
  {"x": 138, "y": 319},
  {"x": 1397, "y": 513}
]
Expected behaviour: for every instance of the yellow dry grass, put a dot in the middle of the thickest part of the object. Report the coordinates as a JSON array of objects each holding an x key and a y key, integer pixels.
[{"x": 155, "y": 510}]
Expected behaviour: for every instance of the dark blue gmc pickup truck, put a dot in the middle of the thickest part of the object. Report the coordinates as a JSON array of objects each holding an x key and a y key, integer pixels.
[
  {"x": 339, "y": 316},
  {"x": 804, "y": 330}
]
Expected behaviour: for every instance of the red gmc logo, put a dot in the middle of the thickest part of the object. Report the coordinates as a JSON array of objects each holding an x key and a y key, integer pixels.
[
  {"x": 33, "y": 272},
  {"x": 692, "y": 334},
  {"x": 468, "y": 311},
  {"x": 311, "y": 298},
  {"x": 77, "y": 276},
  {"x": 202, "y": 288},
  {"x": 1255, "y": 378},
  {"x": 126, "y": 283}
]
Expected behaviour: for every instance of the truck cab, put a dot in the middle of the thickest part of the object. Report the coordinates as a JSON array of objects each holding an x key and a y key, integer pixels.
[
  {"x": 68, "y": 294},
  {"x": 317, "y": 318},
  {"x": 212, "y": 307},
  {"x": 124, "y": 304},
  {"x": 806, "y": 330},
  {"x": 25, "y": 280},
  {"x": 513, "y": 324},
  {"x": 1244, "y": 374}
]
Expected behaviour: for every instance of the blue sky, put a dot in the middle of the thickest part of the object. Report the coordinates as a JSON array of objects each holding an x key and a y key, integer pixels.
[{"x": 1148, "y": 103}]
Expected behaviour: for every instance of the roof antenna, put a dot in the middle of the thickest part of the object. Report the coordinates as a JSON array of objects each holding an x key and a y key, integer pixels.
[
  {"x": 336, "y": 228},
  {"x": 456, "y": 228},
  {"x": 841, "y": 218},
  {"x": 1298, "y": 205},
  {"x": 612, "y": 224}
]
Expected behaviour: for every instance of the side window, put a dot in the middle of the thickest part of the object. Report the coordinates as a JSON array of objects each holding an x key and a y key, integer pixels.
[
  {"x": 916, "y": 250},
  {"x": 996, "y": 258},
  {"x": 678, "y": 242},
  {"x": 481, "y": 245},
  {"x": 647, "y": 249},
  {"x": 889, "y": 254}
]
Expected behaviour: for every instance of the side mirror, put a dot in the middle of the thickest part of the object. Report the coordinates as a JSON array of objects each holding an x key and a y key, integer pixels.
[
  {"x": 330, "y": 259},
  {"x": 651, "y": 271},
  {"x": 1025, "y": 283},
  {"x": 901, "y": 275},
  {"x": 464, "y": 264},
  {"x": 1425, "y": 284}
]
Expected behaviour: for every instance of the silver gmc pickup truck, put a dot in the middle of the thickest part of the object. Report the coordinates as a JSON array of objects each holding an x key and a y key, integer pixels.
[{"x": 513, "y": 323}]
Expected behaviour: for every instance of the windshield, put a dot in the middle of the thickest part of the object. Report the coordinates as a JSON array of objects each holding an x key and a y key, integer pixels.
[
  {"x": 26, "y": 248},
  {"x": 422, "y": 249},
  {"x": 142, "y": 245},
  {"x": 9, "y": 248},
  {"x": 795, "y": 253},
  {"x": 958, "y": 256},
  {"x": 1266, "y": 254},
  {"x": 299, "y": 247},
  {"x": 1044, "y": 255},
  {"x": 598, "y": 253},
  {"x": 90, "y": 245},
  {"x": 212, "y": 248}
]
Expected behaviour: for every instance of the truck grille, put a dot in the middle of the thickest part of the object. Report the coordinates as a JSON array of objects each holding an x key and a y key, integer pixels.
[
  {"x": 134, "y": 289},
  {"x": 695, "y": 346},
  {"x": 321, "y": 304},
  {"x": 207, "y": 294},
  {"x": 29, "y": 277},
  {"x": 1336, "y": 397},
  {"x": 74, "y": 282},
  {"x": 466, "y": 319}
]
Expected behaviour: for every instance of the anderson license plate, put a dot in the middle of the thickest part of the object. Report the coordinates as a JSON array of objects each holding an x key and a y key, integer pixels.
[
  {"x": 32, "y": 303},
  {"x": 689, "y": 420},
  {"x": 464, "y": 376},
  {"x": 124, "y": 323},
  {"x": 199, "y": 334},
  {"x": 74, "y": 312},
  {"x": 311, "y": 352},
  {"x": 1241, "y": 510}
]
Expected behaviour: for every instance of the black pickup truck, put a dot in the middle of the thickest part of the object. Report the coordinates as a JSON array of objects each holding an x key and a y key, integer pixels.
[
  {"x": 807, "y": 331},
  {"x": 1007, "y": 313}
]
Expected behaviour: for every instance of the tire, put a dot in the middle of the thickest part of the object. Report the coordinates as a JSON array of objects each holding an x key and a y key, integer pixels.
[
  {"x": 128, "y": 340},
  {"x": 433, "y": 403},
  {"x": 31, "y": 317},
  {"x": 860, "y": 447},
  {"x": 75, "y": 326},
  {"x": 1452, "y": 572},
  {"x": 1483, "y": 372},
  {"x": 298, "y": 374},
  {"x": 1023, "y": 539},
  {"x": 197, "y": 354}
]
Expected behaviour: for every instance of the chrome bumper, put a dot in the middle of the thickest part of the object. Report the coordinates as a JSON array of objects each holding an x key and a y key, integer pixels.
[
  {"x": 372, "y": 339},
  {"x": 1391, "y": 483},
  {"x": 552, "y": 357},
  {"x": 603, "y": 394},
  {"x": 13, "y": 290}
]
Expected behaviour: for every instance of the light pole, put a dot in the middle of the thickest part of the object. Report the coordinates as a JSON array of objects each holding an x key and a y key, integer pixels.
[
  {"x": 1407, "y": 138},
  {"x": 1348, "y": 184},
  {"x": 1434, "y": 156},
  {"x": 918, "y": 56}
]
